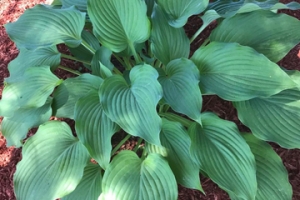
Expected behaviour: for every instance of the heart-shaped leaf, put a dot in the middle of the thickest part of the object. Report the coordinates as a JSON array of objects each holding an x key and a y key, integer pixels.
[
  {"x": 15, "y": 128},
  {"x": 32, "y": 58},
  {"x": 116, "y": 27},
  {"x": 132, "y": 104},
  {"x": 89, "y": 187},
  {"x": 67, "y": 94},
  {"x": 181, "y": 90},
  {"x": 237, "y": 73},
  {"x": 265, "y": 117},
  {"x": 224, "y": 156},
  {"x": 31, "y": 90},
  {"x": 168, "y": 43},
  {"x": 52, "y": 163},
  {"x": 179, "y": 11},
  {"x": 176, "y": 148},
  {"x": 46, "y": 31},
  {"x": 150, "y": 179},
  {"x": 243, "y": 29},
  {"x": 94, "y": 129},
  {"x": 272, "y": 177}
]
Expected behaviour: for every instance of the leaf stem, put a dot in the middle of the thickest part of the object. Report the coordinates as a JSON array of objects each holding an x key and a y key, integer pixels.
[
  {"x": 88, "y": 47},
  {"x": 73, "y": 58},
  {"x": 205, "y": 42},
  {"x": 117, "y": 71},
  {"x": 135, "y": 55},
  {"x": 120, "y": 144},
  {"x": 69, "y": 70},
  {"x": 137, "y": 146},
  {"x": 119, "y": 59},
  {"x": 196, "y": 34},
  {"x": 173, "y": 117},
  {"x": 127, "y": 63}
]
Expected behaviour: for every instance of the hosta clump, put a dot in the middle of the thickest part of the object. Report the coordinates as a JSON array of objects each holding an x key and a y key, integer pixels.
[{"x": 154, "y": 93}]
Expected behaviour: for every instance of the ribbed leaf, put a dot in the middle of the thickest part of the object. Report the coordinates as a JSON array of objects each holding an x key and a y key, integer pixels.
[
  {"x": 31, "y": 58},
  {"x": 67, "y": 94},
  {"x": 94, "y": 129},
  {"x": 30, "y": 90},
  {"x": 128, "y": 177},
  {"x": 132, "y": 104},
  {"x": 101, "y": 65},
  {"x": 272, "y": 177},
  {"x": 79, "y": 4},
  {"x": 181, "y": 90},
  {"x": 51, "y": 26},
  {"x": 179, "y": 11},
  {"x": 168, "y": 43},
  {"x": 52, "y": 164},
  {"x": 116, "y": 27},
  {"x": 228, "y": 8},
  {"x": 278, "y": 33},
  {"x": 238, "y": 73},
  {"x": 89, "y": 187},
  {"x": 15, "y": 128},
  {"x": 275, "y": 118},
  {"x": 176, "y": 143},
  {"x": 224, "y": 156}
]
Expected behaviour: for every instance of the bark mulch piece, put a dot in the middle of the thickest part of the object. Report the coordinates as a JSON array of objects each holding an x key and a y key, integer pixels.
[{"x": 9, "y": 157}]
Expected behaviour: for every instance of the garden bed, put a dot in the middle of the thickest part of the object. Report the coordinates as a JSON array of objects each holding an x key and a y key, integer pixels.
[{"x": 9, "y": 157}]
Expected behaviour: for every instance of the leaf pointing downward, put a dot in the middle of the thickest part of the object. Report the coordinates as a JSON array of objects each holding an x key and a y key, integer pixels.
[
  {"x": 181, "y": 88},
  {"x": 119, "y": 23},
  {"x": 133, "y": 105}
]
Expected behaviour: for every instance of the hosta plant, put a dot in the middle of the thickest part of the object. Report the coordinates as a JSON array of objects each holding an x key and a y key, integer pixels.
[{"x": 142, "y": 82}]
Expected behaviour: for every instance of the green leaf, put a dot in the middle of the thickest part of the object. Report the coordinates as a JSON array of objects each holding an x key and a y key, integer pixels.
[
  {"x": 274, "y": 118},
  {"x": 128, "y": 177},
  {"x": 278, "y": 33},
  {"x": 179, "y": 11},
  {"x": 15, "y": 128},
  {"x": 113, "y": 24},
  {"x": 51, "y": 26},
  {"x": 30, "y": 90},
  {"x": 176, "y": 143},
  {"x": 228, "y": 8},
  {"x": 181, "y": 90},
  {"x": 272, "y": 177},
  {"x": 168, "y": 43},
  {"x": 67, "y": 94},
  {"x": 94, "y": 129},
  {"x": 52, "y": 163},
  {"x": 89, "y": 187},
  {"x": 238, "y": 73},
  {"x": 79, "y": 4},
  {"x": 132, "y": 104},
  {"x": 81, "y": 52},
  {"x": 32, "y": 58},
  {"x": 101, "y": 65},
  {"x": 224, "y": 156}
]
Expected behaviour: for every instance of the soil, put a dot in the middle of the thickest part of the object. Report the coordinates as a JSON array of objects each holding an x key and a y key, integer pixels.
[{"x": 9, "y": 157}]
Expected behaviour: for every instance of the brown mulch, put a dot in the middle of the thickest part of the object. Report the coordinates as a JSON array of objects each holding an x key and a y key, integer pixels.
[{"x": 9, "y": 157}]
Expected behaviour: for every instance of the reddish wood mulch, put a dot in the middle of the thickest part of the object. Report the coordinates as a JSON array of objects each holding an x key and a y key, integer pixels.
[{"x": 9, "y": 157}]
